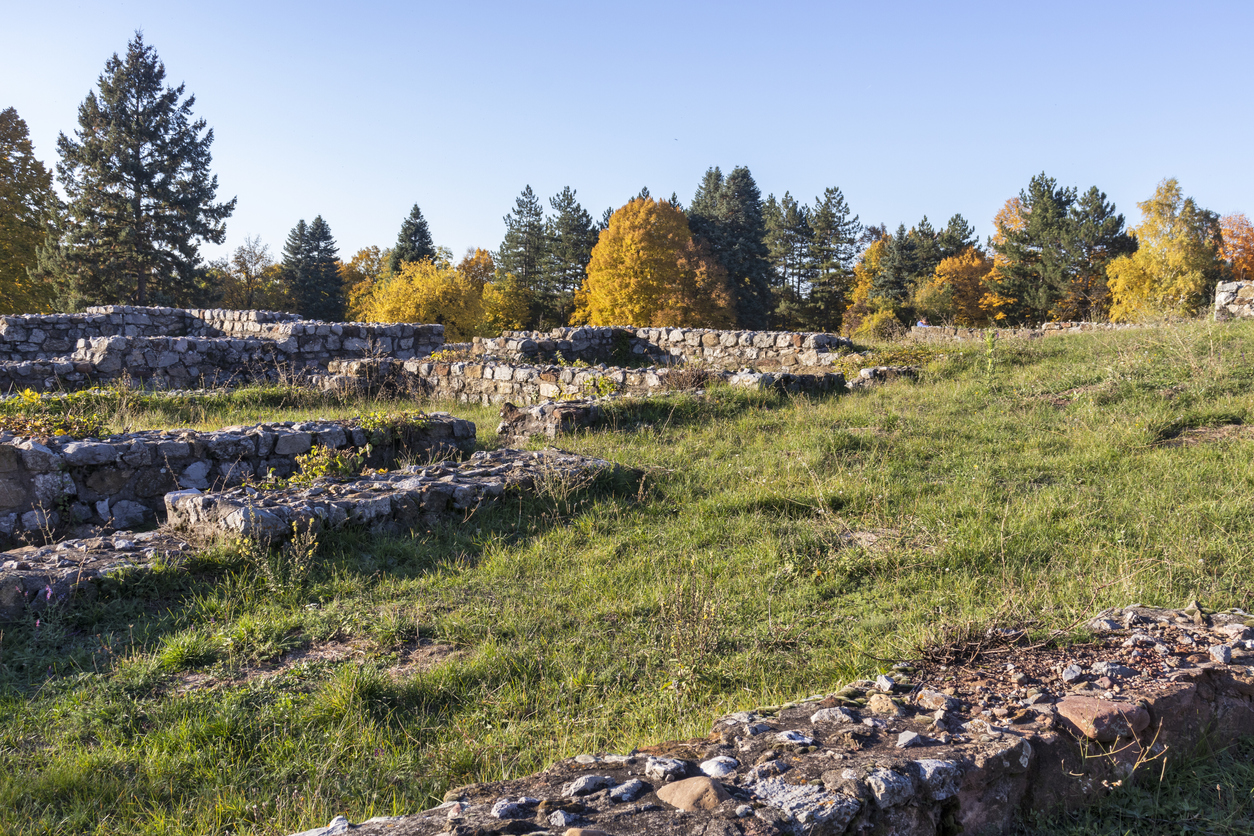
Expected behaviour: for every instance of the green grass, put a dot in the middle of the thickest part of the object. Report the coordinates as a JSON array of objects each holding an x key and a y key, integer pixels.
[{"x": 1022, "y": 485}]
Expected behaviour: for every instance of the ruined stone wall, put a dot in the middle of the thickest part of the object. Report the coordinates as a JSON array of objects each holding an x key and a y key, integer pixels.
[
  {"x": 177, "y": 347},
  {"x": 621, "y": 345},
  {"x": 518, "y": 383},
  {"x": 122, "y": 480},
  {"x": 1234, "y": 300}
]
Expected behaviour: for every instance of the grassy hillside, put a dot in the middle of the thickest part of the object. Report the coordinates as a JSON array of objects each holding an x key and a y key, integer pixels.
[{"x": 774, "y": 548}]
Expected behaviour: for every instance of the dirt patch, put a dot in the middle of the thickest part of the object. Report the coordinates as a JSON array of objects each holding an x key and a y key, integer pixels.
[
  {"x": 1208, "y": 435},
  {"x": 414, "y": 657}
]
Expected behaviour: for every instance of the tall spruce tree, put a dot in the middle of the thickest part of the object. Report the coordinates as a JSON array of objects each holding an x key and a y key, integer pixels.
[
  {"x": 1032, "y": 272},
  {"x": 413, "y": 243},
  {"x": 833, "y": 249},
  {"x": 309, "y": 259},
  {"x": 28, "y": 211},
  {"x": 141, "y": 198},
  {"x": 523, "y": 253},
  {"x": 726, "y": 215},
  {"x": 927, "y": 251},
  {"x": 1094, "y": 235},
  {"x": 898, "y": 268},
  {"x": 956, "y": 237},
  {"x": 703, "y": 212},
  {"x": 571, "y": 237}
]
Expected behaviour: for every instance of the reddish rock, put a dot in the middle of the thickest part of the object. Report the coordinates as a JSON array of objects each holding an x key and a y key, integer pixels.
[
  {"x": 693, "y": 794},
  {"x": 1102, "y": 720}
]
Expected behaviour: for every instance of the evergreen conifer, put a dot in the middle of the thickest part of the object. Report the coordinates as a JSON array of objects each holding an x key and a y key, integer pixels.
[
  {"x": 141, "y": 198},
  {"x": 413, "y": 243}
]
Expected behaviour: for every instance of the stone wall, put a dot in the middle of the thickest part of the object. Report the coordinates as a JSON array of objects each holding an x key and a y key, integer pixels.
[
  {"x": 517, "y": 383},
  {"x": 1234, "y": 300},
  {"x": 622, "y": 345},
  {"x": 394, "y": 503},
  {"x": 942, "y": 333},
  {"x": 177, "y": 347},
  {"x": 122, "y": 480}
]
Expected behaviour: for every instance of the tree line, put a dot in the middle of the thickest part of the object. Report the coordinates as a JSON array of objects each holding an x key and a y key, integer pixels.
[{"x": 140, "y": 200}]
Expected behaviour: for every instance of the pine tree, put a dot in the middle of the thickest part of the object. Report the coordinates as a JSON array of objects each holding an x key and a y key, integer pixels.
[
  {"x": 413, "y": 243},
  {"x": 833, "y": 250},
  {"x": 523, "y": 252},
  {"x": 927, "y": 252},
  {"x": 897, "y": 268},
  {"x": 726, "y": 215},
  {"x": 1032, "y": 266},
  {"x": 957, "y": 236},
  {"x": 1093, "y": 237},
  {"x": 141, "y": 198},
  {"x": 571, "y": 237},
  {"x": 703, "y": 213},
  {"x": 309, "y": 259},
  {"x": 28, "y": 208}
]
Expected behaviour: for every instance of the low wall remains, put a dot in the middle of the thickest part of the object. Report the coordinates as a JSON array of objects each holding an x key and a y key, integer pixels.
[
  {"x": 498, "y": 382},
  {"x": 389, "y": 503},
  {"x": 1234, "y": 300},
  {"x": 177, "y": 347},
  {"x": 122, "y": 480},
  {"x": 929, "y": 750},
  {"x": 621, "y": 345}
]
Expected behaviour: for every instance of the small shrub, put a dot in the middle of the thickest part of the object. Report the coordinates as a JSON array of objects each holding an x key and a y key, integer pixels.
[
  {"x": 285, "y": 569},
  {"x": 323, "y": 461}
]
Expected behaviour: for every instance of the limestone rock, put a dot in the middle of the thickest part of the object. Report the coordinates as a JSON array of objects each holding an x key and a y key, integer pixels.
[{"x": 692, "y": 794}]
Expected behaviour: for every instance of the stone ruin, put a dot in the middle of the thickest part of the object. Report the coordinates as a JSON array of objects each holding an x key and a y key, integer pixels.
[
  {"x": 1234, "y": 300},
  {"x": 621, "y": 345},
  {"x": 173, "y": 347},
  {"x": 121, "y": 481},
  {"x": 927, "y": 749}
]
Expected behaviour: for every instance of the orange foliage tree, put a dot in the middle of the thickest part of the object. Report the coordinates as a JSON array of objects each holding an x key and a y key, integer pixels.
[
  {"x": 646, "y": 270},
  {"x": 1238, "y": 245},
  {"x": 1009, "y": 218}
]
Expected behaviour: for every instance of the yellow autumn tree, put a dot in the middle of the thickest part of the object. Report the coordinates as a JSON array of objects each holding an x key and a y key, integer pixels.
[
  {"x": 960, "y": 281},
  {"x": 1177, "y": 262},
  {"x": 646, "y": 270},
  {"x": 360, "y": 275},
  {"x": 864, "y": 273},
  {"x": 1238, "y": 245},
  {"x": 469, "y": 300},
  {"x": 994, "y": 303}
]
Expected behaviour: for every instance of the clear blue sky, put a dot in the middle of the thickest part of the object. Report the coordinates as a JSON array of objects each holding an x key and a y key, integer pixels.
[{"x": 358, "y": 111}]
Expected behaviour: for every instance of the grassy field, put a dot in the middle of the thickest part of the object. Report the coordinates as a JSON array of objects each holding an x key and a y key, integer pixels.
[{"x": 775, "y": 547}]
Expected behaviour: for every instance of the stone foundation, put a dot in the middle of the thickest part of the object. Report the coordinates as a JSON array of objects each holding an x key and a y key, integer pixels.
[
  {"x": 381, "y": 503},
  {"x": 176, "y": 347},
  {"x": 121, "y": 480},
  {"x": 913, "y": 752},
  {"x": 1234, "y": 300},
  {"x": 620, "y": 346},
  {"x": 499, "y": 383}
]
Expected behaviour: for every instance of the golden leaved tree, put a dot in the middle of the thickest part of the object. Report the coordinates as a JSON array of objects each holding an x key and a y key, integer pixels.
[
  {"x": 469, "y": 300},
  {"x": 993, "y": 303},
  {"x": 647, "y": 271},
  {"x": 360, "y": 276},
  {"x": 1238, "y": 245},
  {"x": 960, "y": 281},
  {"x": 1177, "y": 263}
]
